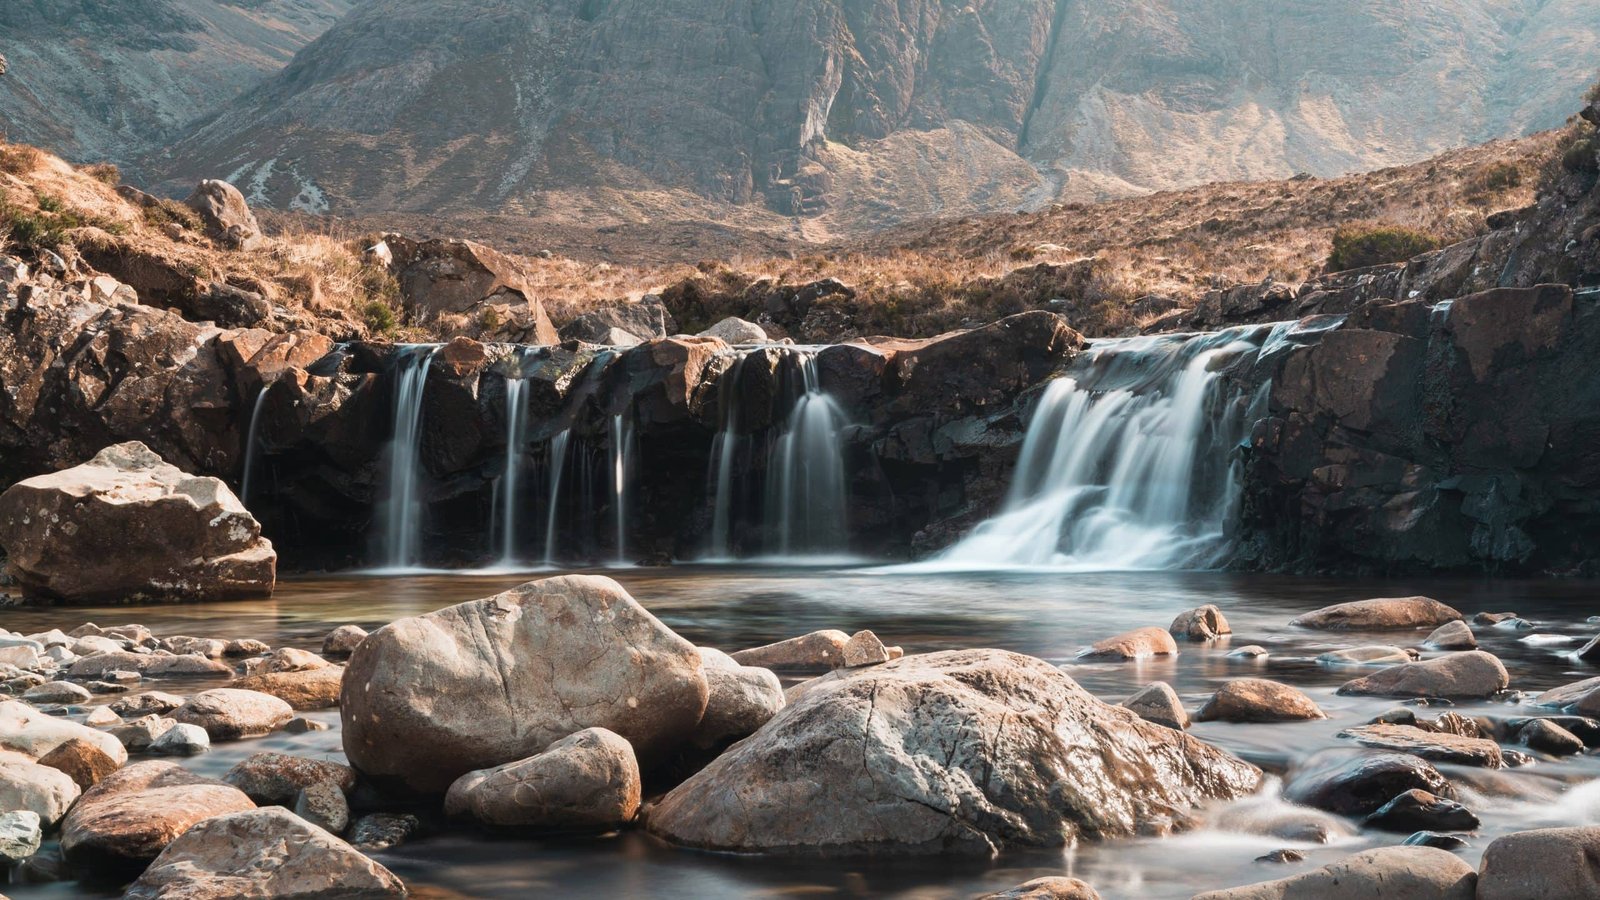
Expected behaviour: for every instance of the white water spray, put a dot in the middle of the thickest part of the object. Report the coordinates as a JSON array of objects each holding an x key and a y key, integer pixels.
[{"x": 402, "y": 521}]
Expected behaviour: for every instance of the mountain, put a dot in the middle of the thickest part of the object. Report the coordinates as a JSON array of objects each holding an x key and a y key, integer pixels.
[{"x": 112, "y": 80}]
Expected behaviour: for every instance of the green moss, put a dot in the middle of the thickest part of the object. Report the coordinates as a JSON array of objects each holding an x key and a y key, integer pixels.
[{"x": 1360, "y": 246}]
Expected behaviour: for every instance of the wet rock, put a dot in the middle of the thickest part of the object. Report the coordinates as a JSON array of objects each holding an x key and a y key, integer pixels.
[
  {"x": 126, "y": 820},
  {"x": 735, "y": 330},
  {"x": 245, "y": 647},
  {"x": 1580, "y": 698},
  {"x": 230, "y": 714},
  {"x": 741, "y": 699},
  {"x": 305, "y": 689},
  {"x": 1157, "y": 702},
  {"x": 1488, "y": 618},
  {"x": 1269, "y": 816},
  {"x": 1283, "y": 856},
  {"x": 181, "y": 739},
  {"x": 285, "y": 659},
  {"x": 1589, "y": 652},
  {"x": 1249, "y": 653},
  {"x": 262, "y": 853},
  {"x": 85, "y": 762},
  {"x": 377, "y": 832},
  {"x": 1417, "y": 810},
  {"x": 1051, "y": 888},
  {"x": 1258, "y": 700},
  {"x": 586, "y": 782},
  {"x": 33, "y": 734},
  {"x": 1400, "y": 873},
  {"x": 1548, "y": 737},
  {"x": 1436, "y": 840},
  {"x": 1549, "y": 863},
  {"x": 324, "y": 805},
  {"x": 47, "y": 792},
  {"x": 1359, "y": 784},
  {"x": 139, "y": 734},
  {"x": 127, "y": 526},
  {"x": 1205, "y": 623},
  {"x": 1430, "y": 745},
  {"x": 1141, "y": 643},
  {"x": 278, "y": 778},
  {"x": 303, "y": 725},
  {"x": 21, "y": 833},
  {"x": 156, "y": 664},
  {"x": 1515, "y": 624},
  {"x": 148, "y": 703},
  {"x": 343, "y": 641},
  {"x": 817, "y": 650},
  {"x": 1379, "y": 614},
  {"x": 1473, "y": 674},
  {"x": 474, "y": 686},
  {"x": 1455, "y": 635},
  {"x": 57, "y": 692},
  {"x": 864, "y": 649},
  {"x": 945, "y": 752}
]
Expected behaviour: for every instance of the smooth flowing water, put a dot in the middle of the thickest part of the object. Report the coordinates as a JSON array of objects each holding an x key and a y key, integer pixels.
[
  {"x": 252, "y": 444},
  {"x": 509, "y": 496},
  {"x": 622, "y": 451},
  {"x": 556, "y": 460},
  {"x": 401, "y": 522}
]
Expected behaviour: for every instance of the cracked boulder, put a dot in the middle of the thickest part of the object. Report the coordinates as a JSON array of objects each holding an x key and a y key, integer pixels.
[
  {"x": 968, "y": 752},
  {"x": 493, "y": 681}
]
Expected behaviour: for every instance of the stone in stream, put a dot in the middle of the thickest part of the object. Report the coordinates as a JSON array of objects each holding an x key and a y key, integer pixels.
[
  {"x": 1258, "y": 700},
  {"x": 1435, "y": 839},
  {"x": 958, "y": 752},
  {"x": 47, "y": 792},
  {"x": 1359, "y": 783},
  {"x": 245, "y": 647},
  {"x": 1270, "y": 816},
  {"x": 148, "y": 703},
  {"x": 1549, "y": 864},
  {"x": 1417, "y": 810},
  {"x": 817, "y": 650},
  {"x": 127, "y": 526},
  {"x": 85, "y": 762},
  {"x": 305, "y": 689},
  {"x": 278, "y": 778},
  {"x": 1455, "y": 635},
  {"x": 1471, "y": 675},
  {"x": 1205, "y": 623},
  {"x": 1249, "y": 653},
  {"x": 343, "y": 641},
  {"x": 57, "y": 692},
  {"x": 125, "y": 821},
  {"x": 1141, "y": 643},
  {"x": 183, "y": 645},
  {"x": 1491, "y": 619},
  {"x": 21, "y": 832},
  {"x": 1379, "y": 615},
  {"x": 230, "y": 714},
  {"x": 181, "y": 739},
  {"x": 741, "y": 700},
  {"x": 586, "y": 782},
  {"x": 1371, "y": 655},
  {"x": 156, "y": 664},
  {"x": 1434, "y": 746},
  {"x": 1580, "y": 698},
  {"x": 1049, "y": 888},
  {"x": 324, "y": 805},
  {"x": 1157, "y": 702},
  {"x": 429, "y": 699},
  {"x": 25, "y": 730},
  {"x": 1548, "y": 737},
  {"x": 1392, "y": 873},
  {"x": 735, "y": 330},
  {"x": 267, "y": 852},
  {"x": 1283, "y": 856},
  {"x": 377, "y": 832}
]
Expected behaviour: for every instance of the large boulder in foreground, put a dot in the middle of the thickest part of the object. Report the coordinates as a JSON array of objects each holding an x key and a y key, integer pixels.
[
  {"x": 1550, "y": 863},
  {"x": 121, "y": 824},
  {"x": 1380, "y": 614},
  {"x": 587, "y": 782},
  {"x": 1392, "y": 873},
  {"x": 127, "y": 526},
  {"x": 489, "y": 682},
  {"x": 263, "y": 853},
  {"x": 964, "y": 751}
]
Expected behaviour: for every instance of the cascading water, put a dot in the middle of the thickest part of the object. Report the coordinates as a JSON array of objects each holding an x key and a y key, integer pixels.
[
  {"x": 1128, "y": 461},
  {"x": 556, "y": 457},
  {"x": 402, "y": 516},
  {"x": 622, "y": 440},
  {"x": 509, "y": 495},
  {"x": 722, "y": 460},
  {"x": 252, "y": 444}
]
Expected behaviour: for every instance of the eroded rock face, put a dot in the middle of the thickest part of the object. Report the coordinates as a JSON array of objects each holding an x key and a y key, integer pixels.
[
  {"x": 586, "y": 782},
  {"x": 1403, "y": 873},
  {"x": 431, "y": 698},
  {"x": 944, "y": 753},
  {"x": 126, "y": 820},
  {"x": 127, "y": 526}
]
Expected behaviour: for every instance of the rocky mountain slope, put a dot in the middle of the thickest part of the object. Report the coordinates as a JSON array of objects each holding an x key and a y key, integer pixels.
[
  {"x": 823, "y": 118},
  {"x": 113, "y": 79}
]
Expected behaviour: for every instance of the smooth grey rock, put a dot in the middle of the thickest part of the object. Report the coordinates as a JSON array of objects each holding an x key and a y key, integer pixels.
[
  {"x": 181, "y": 739},
  {"x": 1374, "y": 655},
  {"x": 230, "y": 714},
  {"x": 57, "y": 692},
  {"x": 1473, "y": 674},
  {"x": 34, "y": 734},
  {"x": 343, "y": 641},
  {"x": 21, "y": 832},
  {"x": 587, "y": 782},
  {"x": 324, "y": 805}
]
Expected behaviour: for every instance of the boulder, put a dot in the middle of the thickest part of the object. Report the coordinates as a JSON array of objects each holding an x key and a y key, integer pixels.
[
  {"x": 741, "y": 699},
  {"x": 121, "y": 824},
  {"x": 1359, "y": 784},
  {"x": 1205, "y": 623},
  {"x": 622, "y": 325},
  {"x": 1050, "y": 888},
  {"x": 140, "y": 733},
  {"x": 25, "y": 730},
  {"x": 21, "y": 832},
  {"x": 303, "y": 689},
  {"x": 127, "y": 526},
  {"x": 263, "y": 853},
  {"x": 1455, "y": 635},
  {"x": 85, "y": 762},
  {"x": 1157, "y": 702},
  {"x": 181, "y": 739},
  {"x": 1141, "y": 643},
  {"x": 57, "y": 692},
  {"x": 444, "y": 277},
  {"x": 1434, "y": 746},
  {"x": 343, "y": 641},
  {"x": 1393, "y": 873},
  {"x": 961, "y": 751},
  {"x": 324, "y": 805},
  {"x": 1259, "y": 700},
  {"x": 492, "y": 681},
  {"x": 586, "y": 782},
  {"x": 1550, "y": 864},
  {"x": 225, "y": 214},
  {"x": 1548, "y": 737},
  {"x": 1417, "y": 810},
  {"x": 47, "y": 792},
  {"x": 277, "y": 778},
  {"x": 1581, "y": 698},
  {"x": 735, "y": 330},
  {"x": 1379, "y": 615},
  {"x": 1473, "y": 674},
  {"x": 817, "y": 650},
  {"x": 230, "y": 714},
  {"x": 103, "y": 664}
]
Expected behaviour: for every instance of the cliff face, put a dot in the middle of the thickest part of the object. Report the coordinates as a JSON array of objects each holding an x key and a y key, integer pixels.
[{"x": 112, "y": 79}]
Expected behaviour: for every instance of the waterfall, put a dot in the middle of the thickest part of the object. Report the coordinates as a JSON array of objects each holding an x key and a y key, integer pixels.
[
  {"x": 1128, "y": 460},
  {"x": 402, "y": 520},
  {"x": 621, "y": 458},
  {"x": 557, "y": 458},
  {"x": 252, "y": 443},
  {"x": 722, "y": 459},
  {"x": 509, "y": 496}
]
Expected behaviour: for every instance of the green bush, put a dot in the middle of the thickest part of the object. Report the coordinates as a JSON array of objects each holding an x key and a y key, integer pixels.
[
  {"x": 379, "y": 317},
  {"x": 1360, "y": 246},
  {"x": 29, "y": 230}
]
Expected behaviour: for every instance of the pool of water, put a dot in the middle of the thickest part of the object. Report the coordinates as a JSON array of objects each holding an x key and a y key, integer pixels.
[{"x": 1050, "y": 615}]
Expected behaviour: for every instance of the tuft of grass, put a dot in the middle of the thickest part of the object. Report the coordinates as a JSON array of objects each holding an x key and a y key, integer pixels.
[
  {"x": 20, "y": 159},
  {"x": 105, "y": 173},
  {"x": 1362, "y": 245}
]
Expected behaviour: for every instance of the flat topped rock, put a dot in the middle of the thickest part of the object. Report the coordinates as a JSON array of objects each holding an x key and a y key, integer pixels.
[
  {"x": 1379, "y": 614},
  {"x": 1430, "y": 745},
  {"x": 817, "y": 650}
]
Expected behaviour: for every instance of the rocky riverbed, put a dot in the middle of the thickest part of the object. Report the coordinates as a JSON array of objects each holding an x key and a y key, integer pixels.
[{"x": 1310, "y": 774}]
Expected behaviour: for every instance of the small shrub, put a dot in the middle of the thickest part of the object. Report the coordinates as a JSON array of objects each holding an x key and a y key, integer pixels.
[
  {"x": 166, "y": 212},
  {"x": 20, "y": 159},
  {"x": 1495, "y": 178},
  {"x": 379, "y": 317},
  {"x": 1581, "y": 156},
  {"x": 51, "y": 204},
  {"x": 1360, "y": 246},
  {"x": 30, "y": 230},
  {"x": 105, "y": 173}
]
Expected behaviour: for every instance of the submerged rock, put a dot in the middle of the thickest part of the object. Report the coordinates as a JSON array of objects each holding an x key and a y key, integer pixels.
[
  {"x": 587, "y": 782},
  {"x": 1550, "y": 864},
  {"x": 963, "y": 751},
  {"x": 126, "y": 820},
  {"x": 1141, "y": 643},
  {"x": 1400, "y": 873},
  {"x": 1259, "y": 700},
  {"x": 127, "y": 526},
  {"x": 1379, "y": 614},
  {"x": 1473, "y": 674},
  {"x": 1359, "y": 784},
  {"x": 429, "y": 699}
]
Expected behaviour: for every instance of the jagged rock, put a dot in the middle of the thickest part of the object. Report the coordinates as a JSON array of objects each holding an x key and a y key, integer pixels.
[
  {"x": 1550, "y": 864},
  {"x": 1417, "y": 810},
  {"x": 34, "y": 734},
  {"x": 262, "y": 853},
  {"x": 1379, "y": 614},
  {"x": 1140, "y": 643},
  {"x": 181, "y": 739},
  {"x": 586, "y": 782},
  {"x": 101, "y": 717},
  {"x": 324, "y": 805},
  {"x": 1259, "y": 700},
  {"x": 85, "y": 762},
  {"x": 1358, "y": 784},
  {"x": 424, "y": 702},
  {"x": 623, "y": 324},
  {"x": 1548, "y": 737},
  {"x": 1401, "y": 873},
  {"x": 128, "y": 526},
  {"x": 1469, "y": 675},
  {"x": 735, "y": 330},
  {"x": 227, "y": 217},
  {"x": 741, "y": 699},
  {"x": 47, "y": 792},
  {"x": 231, "y": 714},
  {"x": 1157, "y": 702},
  {"x": 343, "y": 641},
  {"x": 1051, "y": 888},
  {"x": 850, "y": 768},
  {"x": 277, "y": 778},
  {"x": 817, "y": 650},
  {"x": 440, "y": 277},
  {"x": 126, "y": 820},
  {"x": 1455, "y": 635},
  {"x": 1205, "y": 623}
]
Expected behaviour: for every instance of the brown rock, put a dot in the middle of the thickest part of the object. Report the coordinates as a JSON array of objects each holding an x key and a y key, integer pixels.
[
  {"x": 277, "y": 778},
  {"x": 1205, "y": 623},
  {"x": 1550, "y": 864},
  {"x": 1455, "y": 635},
  {"x": 82, "y": 761},
  {"x": 1380, "y": 614},
  {"x": 343, "y": 641},
  {"x": 305, "y": 689},
  {"x": 1259, "y": 700},
  {"x": 231, "y": 714},
  {"x": 1473, "y": 674},
  {"x": 741, "y": 700},
  {"x": 103, "y": 664},
  {"x": 1052, "y": 888},
  {"x": 586, "y": 782},
  {"x": 864, "y": 649},
  {"x": 126, "y": 820},
  {"x": 227, "y": 217},
  {"x": 817, "y": 650},
  {"x": 1159, "y": 703},
  {"x": 1430, "y": 745},
  {"x": 1137, "y": 644}
]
